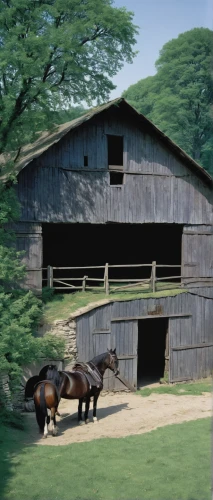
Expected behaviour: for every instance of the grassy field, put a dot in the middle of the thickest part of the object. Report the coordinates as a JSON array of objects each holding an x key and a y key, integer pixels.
[
  {"x": 192, "y": 389},
  {"x": 65, "y": 304},
  {"x": 170, "y": 463}
]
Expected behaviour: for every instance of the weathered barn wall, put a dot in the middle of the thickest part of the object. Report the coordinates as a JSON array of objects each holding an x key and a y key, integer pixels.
[
  {"x": 29, "y": 241},
  {"x": 190, "y": 336},
  {"x": 158, "y": 187},
  {"x": 197, "y": 252}
]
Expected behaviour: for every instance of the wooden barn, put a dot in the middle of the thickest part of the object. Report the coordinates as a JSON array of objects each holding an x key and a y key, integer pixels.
[{"x": 111, "y": 187}]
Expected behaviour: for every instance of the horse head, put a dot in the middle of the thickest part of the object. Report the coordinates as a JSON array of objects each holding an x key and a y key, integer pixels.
[{"x": 113, "y": 361}]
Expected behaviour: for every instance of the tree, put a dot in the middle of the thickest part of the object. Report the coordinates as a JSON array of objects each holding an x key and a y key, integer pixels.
[
  {"x": 20, "y": 310},
  {"x": 178, "y": 98},
  {"x": 55, "y": 52}
]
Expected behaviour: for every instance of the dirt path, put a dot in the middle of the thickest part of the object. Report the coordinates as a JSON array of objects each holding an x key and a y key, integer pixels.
[{"x": 122, "y": 414}]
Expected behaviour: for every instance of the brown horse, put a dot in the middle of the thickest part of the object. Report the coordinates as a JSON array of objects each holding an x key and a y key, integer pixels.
[
  {"x": 86, "y": 381},
  {"x": 46, "y": 399}
]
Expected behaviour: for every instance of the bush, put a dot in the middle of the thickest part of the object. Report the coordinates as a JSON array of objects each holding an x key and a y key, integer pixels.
[
  {"x": 11, "y": 418},
  {"x": 47, "y": 294}
]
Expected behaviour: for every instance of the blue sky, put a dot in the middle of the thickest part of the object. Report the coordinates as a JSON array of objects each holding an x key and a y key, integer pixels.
[{"x": 159, "y": 21}]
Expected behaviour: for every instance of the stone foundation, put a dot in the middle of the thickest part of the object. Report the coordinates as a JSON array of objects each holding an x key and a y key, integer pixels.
[{"x": 66, "y": 330}]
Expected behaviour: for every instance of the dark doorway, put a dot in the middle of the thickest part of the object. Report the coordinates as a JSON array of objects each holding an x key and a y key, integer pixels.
[
  {"x": 71, "y": 245},
  {"x": 151, "y": 349}
]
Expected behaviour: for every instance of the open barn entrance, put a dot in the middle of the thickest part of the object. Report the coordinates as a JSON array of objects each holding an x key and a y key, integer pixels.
[
  {"x": 152, "y": 349},
  {"x": 66, "y": 245}
]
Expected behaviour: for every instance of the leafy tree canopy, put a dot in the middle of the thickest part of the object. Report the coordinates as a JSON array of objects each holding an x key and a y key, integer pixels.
[
  {"x": 56, "y": 52},
  {"x": 178, "y": 99}
]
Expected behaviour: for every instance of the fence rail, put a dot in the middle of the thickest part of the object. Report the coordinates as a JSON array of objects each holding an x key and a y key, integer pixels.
[
  {"x": 115, "y": 284},
  {"x": 108, "y": 284}
]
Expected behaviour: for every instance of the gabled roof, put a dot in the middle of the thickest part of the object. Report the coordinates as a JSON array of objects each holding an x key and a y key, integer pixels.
[{"x": 47, "y": 139}]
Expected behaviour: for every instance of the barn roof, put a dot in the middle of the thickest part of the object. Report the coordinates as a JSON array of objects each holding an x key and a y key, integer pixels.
[{"x": 47, "y": 139}]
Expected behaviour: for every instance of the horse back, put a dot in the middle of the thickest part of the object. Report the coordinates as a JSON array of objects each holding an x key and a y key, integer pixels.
[{"x": 74, "y": 386}]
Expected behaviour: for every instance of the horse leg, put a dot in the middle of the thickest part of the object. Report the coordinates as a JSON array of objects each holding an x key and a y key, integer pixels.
[
  {"x": 46, "y": 425},
  {"x": 80, "y": 403},
  {"x": 53, "y": 420},
  {"x": 96, "y": 396},
  {"x": 87, "y": 410}
]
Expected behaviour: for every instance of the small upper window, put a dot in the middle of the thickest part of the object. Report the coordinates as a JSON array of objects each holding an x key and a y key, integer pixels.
[
  {"x": 115, "y": 152},
  {"x": 86, "y": 161}
]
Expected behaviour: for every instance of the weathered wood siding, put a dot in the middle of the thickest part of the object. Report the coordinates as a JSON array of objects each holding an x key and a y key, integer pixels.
[
  {"x": 158, "y": 188},
  {"x": 29, "y": 240},
  {"x": 190, "y": 333},
  {"x": 197, "y": 252}
]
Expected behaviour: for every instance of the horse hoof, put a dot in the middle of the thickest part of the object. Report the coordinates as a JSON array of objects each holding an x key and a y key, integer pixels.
[
  {"x": 44, "y": 436},
  {"x": 87, "y": 421},
  {"x": 81, "y": 422},
  {"x": 55, "y": 431},
  {"x": 95, "y": 420}
]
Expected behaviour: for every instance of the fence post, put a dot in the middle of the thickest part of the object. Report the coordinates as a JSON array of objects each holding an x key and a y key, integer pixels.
[
  {"x": 153, "y": 275},
  {"x": 50, "y": 276},
  {"x": 106, "y": 278},
  {"x": 84, "y": 283}
]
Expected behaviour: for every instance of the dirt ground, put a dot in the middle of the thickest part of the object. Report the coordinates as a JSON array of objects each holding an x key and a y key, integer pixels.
[{"x": 123, "y": 414}]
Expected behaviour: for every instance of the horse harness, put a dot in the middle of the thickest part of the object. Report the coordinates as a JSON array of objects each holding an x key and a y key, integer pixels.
[{"x": 91, "y": 373}]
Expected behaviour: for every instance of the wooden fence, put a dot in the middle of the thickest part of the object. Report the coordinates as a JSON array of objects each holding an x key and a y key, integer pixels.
[{"x": 111, "y": 285}]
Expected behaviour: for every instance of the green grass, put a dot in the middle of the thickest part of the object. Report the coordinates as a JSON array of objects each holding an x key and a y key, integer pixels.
[
  {"x": 191, "y": 389},
  {"x": 63, "y": 305},
  {"x": 170, "y": 463}
]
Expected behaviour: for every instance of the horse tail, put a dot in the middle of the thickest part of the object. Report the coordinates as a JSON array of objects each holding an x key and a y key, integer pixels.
[{"x": 41, "y": 409}]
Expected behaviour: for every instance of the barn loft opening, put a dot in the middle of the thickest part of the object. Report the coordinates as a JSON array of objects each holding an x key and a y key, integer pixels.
[
  {"x": 116, "y": 178},
  {"x": 151, "y": 349},
  {"x": 72, "y": 245},
  {"x": 115, "y": 151},
  {"x": 85, "y": 161}
]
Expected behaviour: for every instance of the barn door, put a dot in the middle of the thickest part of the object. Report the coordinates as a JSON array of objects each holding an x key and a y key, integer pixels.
[
  {"x": 197, "y": 254},
  {"x": 102, "y": 342},
  {"x": 125, "y": 338},
  {"x": 182, "y": 356}
]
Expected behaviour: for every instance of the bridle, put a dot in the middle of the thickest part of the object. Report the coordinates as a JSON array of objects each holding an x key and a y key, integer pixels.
[{"x": 112, "y": 359}]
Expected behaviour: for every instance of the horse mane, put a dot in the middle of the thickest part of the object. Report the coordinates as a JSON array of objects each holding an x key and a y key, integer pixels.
[
  {"x": 53, "y": 375},
  {"x": 100, "y": 357}
]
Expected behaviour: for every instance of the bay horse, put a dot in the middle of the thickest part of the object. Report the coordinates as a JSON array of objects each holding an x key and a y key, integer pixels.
[
  {"x": 46, "y": 399},
  {"x": 86, "y": 381}
]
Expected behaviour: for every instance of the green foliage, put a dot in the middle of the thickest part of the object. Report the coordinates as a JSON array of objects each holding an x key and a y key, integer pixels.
[
  {"x": 12, "y": 270},
  {"x": 61, "y": 306},
  {"x": 192, "y": 388},
  {"x": 47, "y": 294},
  {"x": 169, "y": 463},
  {"x": 179, "y": 98},
  {"x": 54, "y": 53},
  {"x": 11, "y": 419},
  {"x": 66, "y": 115},
  {"x": 20, "y": 310}
]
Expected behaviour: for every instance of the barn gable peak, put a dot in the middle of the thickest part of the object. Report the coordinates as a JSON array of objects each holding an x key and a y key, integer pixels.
[{"x": 48, "y": 139}]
